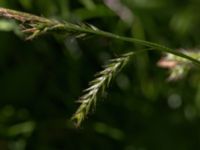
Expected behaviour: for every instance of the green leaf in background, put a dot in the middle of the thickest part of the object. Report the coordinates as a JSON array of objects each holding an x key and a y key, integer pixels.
[
  {"x": 89, "y": 4},
  {"x": 26, "y": 3},
  {"x": 6, "y": 25}
]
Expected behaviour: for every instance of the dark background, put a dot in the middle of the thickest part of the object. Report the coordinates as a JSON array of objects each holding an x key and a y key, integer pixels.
[{"x": 40, "y": 80}]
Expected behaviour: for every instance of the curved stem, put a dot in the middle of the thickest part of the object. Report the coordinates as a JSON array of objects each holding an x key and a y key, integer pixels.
[
  {"x": 41, "y": 25},
  {"x": 138, "y": 41}
]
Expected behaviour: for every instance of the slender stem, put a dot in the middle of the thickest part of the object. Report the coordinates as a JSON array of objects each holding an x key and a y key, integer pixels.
[
  {"x": 52, "y": 25},
  {"x": 138, "y": 41}
]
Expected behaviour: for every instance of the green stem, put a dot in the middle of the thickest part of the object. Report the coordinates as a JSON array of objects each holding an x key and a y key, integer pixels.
[
  {"x": 48, "y": 24},
  {"x": 137, "y": 41}
]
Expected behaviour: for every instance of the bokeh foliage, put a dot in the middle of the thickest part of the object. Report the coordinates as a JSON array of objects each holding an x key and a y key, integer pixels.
[{"x": 41, "y": 79}]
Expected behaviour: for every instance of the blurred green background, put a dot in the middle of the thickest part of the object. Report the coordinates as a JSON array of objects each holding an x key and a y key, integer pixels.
[{"x": 40, "y": 80}]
